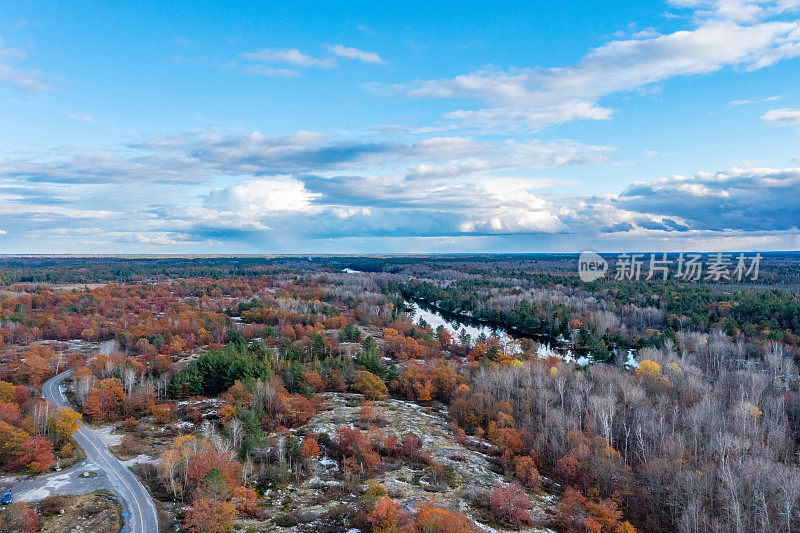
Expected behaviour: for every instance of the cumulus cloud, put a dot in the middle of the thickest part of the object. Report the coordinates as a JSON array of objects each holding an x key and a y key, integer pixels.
[
  {"x": 262, "y": 196},
  {"x": 310, "y": 185},
  {"x": 306, "y": 184},
  {"x": 733, "y": 204},
  {"x": 306, "y": 151},
  {"x": 727, "y": 34},
  {"x": 782, "y": 116},
  {"x": 748, "y": 199},
  {"x": 375, "y": 206},
  {"x": 354, "y": 53}
]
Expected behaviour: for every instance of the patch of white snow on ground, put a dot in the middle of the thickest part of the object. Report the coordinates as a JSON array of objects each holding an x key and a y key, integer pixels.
[
  {"x": 104, "y": 434},
  {"x": 139, "y": 459}
]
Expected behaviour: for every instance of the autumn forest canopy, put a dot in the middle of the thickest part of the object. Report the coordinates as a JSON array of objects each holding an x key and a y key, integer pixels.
[{"x": 307, "y": 392}]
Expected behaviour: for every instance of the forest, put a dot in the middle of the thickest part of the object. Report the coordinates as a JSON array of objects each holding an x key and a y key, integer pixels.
[{"x": 284, "y": 393}]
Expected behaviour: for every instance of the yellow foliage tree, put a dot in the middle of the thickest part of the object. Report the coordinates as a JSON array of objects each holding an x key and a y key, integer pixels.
[
  {"x": 67, "y": 421},
  {"x": 370, "y": 385},
  {"x": 7, "y": 391},
  {"x": 649, "y": 369}
]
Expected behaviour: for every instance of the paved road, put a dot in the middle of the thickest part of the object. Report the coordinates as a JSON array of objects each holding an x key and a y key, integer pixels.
[
  {"x": 69, "y": 481},
  {"x": 140, "y": 513}
]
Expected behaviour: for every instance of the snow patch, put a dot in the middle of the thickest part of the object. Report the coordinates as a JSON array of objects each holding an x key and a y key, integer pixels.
[
  {"x": 105, "y": 436},
  {"x": 139, "y": 459}
]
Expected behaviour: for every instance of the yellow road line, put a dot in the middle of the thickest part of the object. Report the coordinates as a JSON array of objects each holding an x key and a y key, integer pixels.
[
  {"x": 141, "y": 517},
  {"x": 116, "y": 472}
]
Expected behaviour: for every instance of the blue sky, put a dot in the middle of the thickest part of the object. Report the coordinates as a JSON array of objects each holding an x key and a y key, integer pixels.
[{"x": 422, "y": 127}]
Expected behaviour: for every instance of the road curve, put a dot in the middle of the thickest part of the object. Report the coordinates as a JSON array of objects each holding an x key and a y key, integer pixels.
[{"x": 140, "y": 512}]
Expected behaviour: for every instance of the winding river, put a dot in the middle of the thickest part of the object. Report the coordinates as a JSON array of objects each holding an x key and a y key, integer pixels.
[{"x": 456, "y": 324}]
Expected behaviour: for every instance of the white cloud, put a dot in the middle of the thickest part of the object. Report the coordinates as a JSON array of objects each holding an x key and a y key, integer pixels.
[
  {"x": 736, "y": 103},
  {"x": 461, "y": 168},
  {"x": 727, "y": 34},
  {"x": 782, "y": 116},
  {"x": 197, "y": 157},
  {"x": 12, "y": 53},
  {"x": 464, "y": 156},
  {"x": 41, "y": 213},
  {"x": 532, "y": 117},
  {"x": 511, "y": 209},
  {"x": 155, "y": 238},
  {"x": 82, "y": 117},
  {"x": 26, "y": 80},
  {"x": 262, "y": 70},
  {"x": 262, "y": 196},
  {"x": 372, "y": 206},
  {"x": 738, "y": 10},
  {"x": 100, "y": 167},
  {"x": 291, "y": 56},
  {"x": 354, "y": 53}
]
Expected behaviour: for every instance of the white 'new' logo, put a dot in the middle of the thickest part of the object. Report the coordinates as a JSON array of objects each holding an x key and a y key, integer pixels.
[{"x": 591, "y": 266}]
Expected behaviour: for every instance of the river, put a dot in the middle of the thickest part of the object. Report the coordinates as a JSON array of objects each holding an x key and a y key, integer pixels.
[
  {"x": 455, "y": 324},
  {"x": 545, "y": 346}
]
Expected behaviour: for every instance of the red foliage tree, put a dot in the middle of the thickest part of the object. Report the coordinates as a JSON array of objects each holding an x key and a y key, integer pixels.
[
  {"x": 355, "y": 449},
  {"x": 510, "y": 504},
  {"x": 10, "y": 413},
  {"x": 201, "y": 463},
  {"x": 314, "y": 380}
]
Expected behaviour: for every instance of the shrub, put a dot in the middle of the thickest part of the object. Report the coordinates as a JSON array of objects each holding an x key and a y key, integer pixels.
[
  {"x": 370, "y": 385},
  {"x": 434, "y": 520},
  {"x": 53, "y": 504},
  {"x": 510, "y": 504},
  {"x": 526, "y": 472}
]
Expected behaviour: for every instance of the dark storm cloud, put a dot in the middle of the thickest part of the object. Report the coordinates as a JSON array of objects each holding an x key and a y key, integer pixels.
[{"x": 737, "y": 199}]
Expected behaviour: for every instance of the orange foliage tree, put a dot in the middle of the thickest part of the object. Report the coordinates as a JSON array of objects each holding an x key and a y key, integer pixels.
[
  {"x": 386, "y": 516},
  {"x": 209, "y": 516},
  {"x": 36, "y": 454},
  {"x": 432, "y": 519}
]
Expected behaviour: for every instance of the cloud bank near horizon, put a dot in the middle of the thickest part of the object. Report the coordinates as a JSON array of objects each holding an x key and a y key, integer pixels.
[{"x": 487, "y": 174}]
